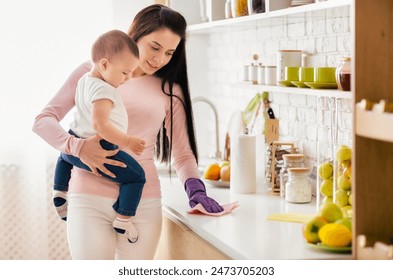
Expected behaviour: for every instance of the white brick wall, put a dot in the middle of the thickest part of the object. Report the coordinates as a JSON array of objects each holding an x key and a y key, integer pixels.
[{"x": 323, "y": 35}]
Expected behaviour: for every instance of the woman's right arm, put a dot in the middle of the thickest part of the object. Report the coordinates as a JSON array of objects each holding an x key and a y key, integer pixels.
[
  {"x": 47, "y": 123},
  {"x": 47, "y": 126}
]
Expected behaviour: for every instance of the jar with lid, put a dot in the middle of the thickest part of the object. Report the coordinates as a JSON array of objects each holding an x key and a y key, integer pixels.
[
  {"x": 290, "y": 161},
  {"x": 253, "y": 73},
  {"x": 343, "y": 74},
  {"x": 239, "y": 8},
  {"x": 256, "y": 6},
  {"x": 228, "y": 9},
  {"x": 298, "y": 187}
]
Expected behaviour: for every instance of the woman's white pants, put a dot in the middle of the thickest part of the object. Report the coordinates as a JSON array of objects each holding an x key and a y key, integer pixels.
[{"x": 91, "y": 235}]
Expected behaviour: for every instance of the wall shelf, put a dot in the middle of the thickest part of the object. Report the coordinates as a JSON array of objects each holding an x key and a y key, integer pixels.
[
  {"x": 247, "y": 21},
  {"x": 335, "y": 93},
  {"x": 374, "y": 125}
]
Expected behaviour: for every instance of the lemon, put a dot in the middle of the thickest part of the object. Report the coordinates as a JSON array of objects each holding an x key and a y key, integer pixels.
[{"x": 335, "y": 235}]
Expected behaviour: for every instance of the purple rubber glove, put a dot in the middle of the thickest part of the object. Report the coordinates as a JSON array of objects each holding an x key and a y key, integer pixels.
[{"x": 196, "y": 193}]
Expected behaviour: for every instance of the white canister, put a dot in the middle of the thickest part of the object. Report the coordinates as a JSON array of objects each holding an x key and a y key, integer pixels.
[
  {"x": 261, "y": 74},
  {"x": 287, "y": 58},
  {"x": 253, "y": 73},
  {"x": 245, "y": 73},
  {"x": 270, "y": 75}
]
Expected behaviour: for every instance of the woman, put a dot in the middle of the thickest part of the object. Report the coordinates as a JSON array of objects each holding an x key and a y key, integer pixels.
[{"x": 159, "y": 110}]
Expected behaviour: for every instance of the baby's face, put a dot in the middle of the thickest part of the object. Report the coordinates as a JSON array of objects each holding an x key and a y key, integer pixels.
[{"x": 120, "y": 68}]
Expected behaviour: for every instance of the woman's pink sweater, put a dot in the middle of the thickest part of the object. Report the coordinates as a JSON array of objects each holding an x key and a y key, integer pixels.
[{"x": 147, "y": 107}]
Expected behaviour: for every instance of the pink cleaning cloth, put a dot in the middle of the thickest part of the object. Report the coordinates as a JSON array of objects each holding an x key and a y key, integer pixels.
[{"x": 199, "y": 209}]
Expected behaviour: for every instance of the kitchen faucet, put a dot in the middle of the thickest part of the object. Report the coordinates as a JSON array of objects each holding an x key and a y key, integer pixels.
[{"x": 207, "y": 101}]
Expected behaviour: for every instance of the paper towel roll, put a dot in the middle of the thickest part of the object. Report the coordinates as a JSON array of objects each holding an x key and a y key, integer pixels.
[{"x": 243, "y": 169}]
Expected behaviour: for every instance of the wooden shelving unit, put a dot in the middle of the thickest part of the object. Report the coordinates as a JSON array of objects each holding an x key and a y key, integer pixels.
[
  {"x": 373, "y": 204},
  {"x": 374, "y": 125}
]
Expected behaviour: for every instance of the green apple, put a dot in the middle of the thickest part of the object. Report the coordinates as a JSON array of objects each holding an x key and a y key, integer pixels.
[
  {"x": 343, "y": 183},
  {"x": 341, "y": 198},
  {"x": 350, "y": 199},
  {"x": 325, "y": 170},
  {"x": 347, "y": 211},
  {"x": 344, "y": 153},
  {"x": 347, "y": 222},
  {"x": 224, "y": 163},
  {"x": 347, "y": 173},
  {"x": 330, "y": 212},
  {"x": 311, "y": 228},
  {"x": 345, "y": 163},
  {"x": 327, "y": 199},
  {"x": 327, "y": 187}
]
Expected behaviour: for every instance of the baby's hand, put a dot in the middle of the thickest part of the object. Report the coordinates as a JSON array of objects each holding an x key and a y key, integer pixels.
[{"x": 136, "y": 145}]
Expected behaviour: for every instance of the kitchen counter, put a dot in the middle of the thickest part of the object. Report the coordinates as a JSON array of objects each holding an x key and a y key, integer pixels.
[{"x": 246, "y": 233}]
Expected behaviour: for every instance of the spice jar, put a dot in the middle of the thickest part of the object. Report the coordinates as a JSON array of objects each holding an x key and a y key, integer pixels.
[
  {"x": 256, "y": 6},
  {"x": 261, "y": 74},
  {"x": 228, "y": 9},
  {"x": 298, "y": 187},
  {"x": 290, "y": 161},
  {"x": 343, "y": 74},
  {"x": 239, "y": 8}
]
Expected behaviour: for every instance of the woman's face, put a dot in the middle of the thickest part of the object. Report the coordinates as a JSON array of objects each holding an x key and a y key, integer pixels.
[{"x": 156, "y": 50}]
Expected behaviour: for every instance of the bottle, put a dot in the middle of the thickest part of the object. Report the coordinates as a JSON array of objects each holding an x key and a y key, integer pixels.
[
  {"x": 290, "y": 161},
  {"x": 343, "y": 74},
  {"x": 298, "y": 187},
  {"x": 239, "y": 8}
]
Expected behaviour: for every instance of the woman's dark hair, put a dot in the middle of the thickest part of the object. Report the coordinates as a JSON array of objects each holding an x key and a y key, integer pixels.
[{"x": 148, "y": 20}]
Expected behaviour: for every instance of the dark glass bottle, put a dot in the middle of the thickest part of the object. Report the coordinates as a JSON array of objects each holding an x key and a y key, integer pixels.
[{"x": 343, "y": 74}]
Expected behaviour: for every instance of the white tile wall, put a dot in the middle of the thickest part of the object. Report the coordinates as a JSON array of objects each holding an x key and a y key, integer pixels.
[{"x": 323, "y": 35}]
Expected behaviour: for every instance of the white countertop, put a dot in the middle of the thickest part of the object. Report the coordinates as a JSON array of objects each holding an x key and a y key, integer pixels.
[{"x": 246, "y": 233}]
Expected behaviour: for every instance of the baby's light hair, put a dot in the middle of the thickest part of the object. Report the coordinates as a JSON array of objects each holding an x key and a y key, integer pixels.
[{"x": 112, "y": 43}]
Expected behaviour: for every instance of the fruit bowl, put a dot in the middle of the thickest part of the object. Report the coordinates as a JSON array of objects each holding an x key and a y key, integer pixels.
[
  {"x": 219, "y": 183},
  {"x": 320, "y": 246}
]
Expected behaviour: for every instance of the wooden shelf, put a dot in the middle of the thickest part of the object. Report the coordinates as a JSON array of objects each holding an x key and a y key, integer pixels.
[
  {"x": 374, "y": 125},
  {"x": 306, "y": 91},
  {"x": 247, "y": 21}
]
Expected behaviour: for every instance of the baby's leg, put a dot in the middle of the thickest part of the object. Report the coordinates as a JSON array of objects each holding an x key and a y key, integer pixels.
[
  {"x": 132, "y": 180},
  {"x": 62, "y": 176},
  {"x": 124, "y": 225}
]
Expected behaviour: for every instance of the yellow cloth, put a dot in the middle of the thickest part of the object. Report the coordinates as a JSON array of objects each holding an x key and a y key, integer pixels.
[{"x": 290, "y": 217}]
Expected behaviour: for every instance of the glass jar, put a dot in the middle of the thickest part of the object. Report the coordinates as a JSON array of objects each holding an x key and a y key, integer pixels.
[
  {"x": 239, "y": 8},
  {"x": 256, "y": 6},
  {"x": 228, "y": 9},
  {"x": 342, "y": 182},
  {"x": 298, "y": 187},
  {"x": 290, "y": 161},
  {"x": 343, "y": 74},
  {"x": 325, "y": 168}
]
